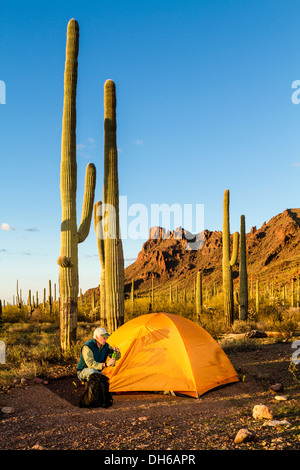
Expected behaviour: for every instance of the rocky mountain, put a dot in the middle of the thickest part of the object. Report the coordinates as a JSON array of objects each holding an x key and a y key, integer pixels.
[{"x": 273, "y": 255}]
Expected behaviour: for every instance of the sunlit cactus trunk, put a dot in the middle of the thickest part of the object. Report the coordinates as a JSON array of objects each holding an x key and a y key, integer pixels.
[
  {"x": 70, "y": 236},
  {"x": 243, "y": 273},
  {"x": 114, "y": 259},
  {"x": 228, "y": 262},
  {"x": 108, "y": 223}
]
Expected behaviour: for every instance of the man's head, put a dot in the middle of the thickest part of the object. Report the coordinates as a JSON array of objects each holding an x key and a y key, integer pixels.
[{"x": 101, "y": 335}]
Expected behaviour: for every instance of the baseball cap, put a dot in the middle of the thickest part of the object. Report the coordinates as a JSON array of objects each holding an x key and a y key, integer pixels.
[{"x": 102, "y": 332}]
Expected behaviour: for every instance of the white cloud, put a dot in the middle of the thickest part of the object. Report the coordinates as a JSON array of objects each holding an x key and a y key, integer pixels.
[
  {"x": 92, "y": 142},
  {"x": 80, "y": 146},
  {"x": 129, "y": 260},
  {"x": 6, "y": 227},
  {"x": 139, "y": 142},
  {"x": 295, "y": 164}
]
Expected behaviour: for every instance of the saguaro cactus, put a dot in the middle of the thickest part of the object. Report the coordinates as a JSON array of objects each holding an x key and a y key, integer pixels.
[
  {"x": 98, "y": 216},
  {"x": 292, "y": 294},
  {"x": 70, "y": 236},
  {"x": 228, "y": 262},
  {"x": 257, "y": 297},
  {"x": 50, "y": 298},
  {"x": 111, "y": 250},
  {"x": 198, "y": 294},
  {"x": 243, "y": 273},
  {"x": 29, "y": 303},
  {"x": 132, "y": 295}
]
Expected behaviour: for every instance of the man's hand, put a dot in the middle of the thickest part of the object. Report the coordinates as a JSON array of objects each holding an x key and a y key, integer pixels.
[{"x": 111, "y": 362}]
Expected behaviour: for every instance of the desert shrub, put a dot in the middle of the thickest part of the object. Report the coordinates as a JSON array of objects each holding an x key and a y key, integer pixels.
[
  {"x": 288, "y": 326},
  {"x": 294, "y": 369},
  {"x": 12, "y": 314},
  {"x": 237, "y": 344},
  {"x": 33, "y": 349},
  {"x": 274, "y": 313},
  {"x": 214, "y": 327},
  {"x": 241, "y": 326}
]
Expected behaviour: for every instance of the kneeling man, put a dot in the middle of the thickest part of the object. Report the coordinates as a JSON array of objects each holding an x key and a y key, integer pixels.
[{"x": 96, "y": 355}]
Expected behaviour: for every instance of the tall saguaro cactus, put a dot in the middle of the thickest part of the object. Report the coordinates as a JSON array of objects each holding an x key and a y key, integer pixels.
[
  {"x": 243, "y": 273},
  {"x": 228, "y": 262},
  {"x": 111, "y": 250},
  {"x": 70, "y": 236}
]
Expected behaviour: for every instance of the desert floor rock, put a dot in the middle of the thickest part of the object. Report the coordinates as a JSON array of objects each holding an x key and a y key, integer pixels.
[
  {"x": 262, "y": 412},
  {"x": 244, "y": 435}
]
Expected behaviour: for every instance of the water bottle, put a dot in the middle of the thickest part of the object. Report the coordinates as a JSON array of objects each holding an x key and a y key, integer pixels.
[{"x": 114, "y": 356}]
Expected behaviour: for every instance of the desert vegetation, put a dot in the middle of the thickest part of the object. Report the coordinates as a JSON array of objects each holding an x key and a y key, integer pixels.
[
  {"x": 43, "y": 337},
  {"x": 32, "y": 336},
  {"x": 217, "y": 307}
]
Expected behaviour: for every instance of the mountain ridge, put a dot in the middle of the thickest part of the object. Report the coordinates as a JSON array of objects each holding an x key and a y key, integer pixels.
[{"x": 273, "y": 254}]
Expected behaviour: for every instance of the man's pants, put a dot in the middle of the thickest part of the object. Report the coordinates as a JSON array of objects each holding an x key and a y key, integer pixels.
[{"x": 84, "y": 374}]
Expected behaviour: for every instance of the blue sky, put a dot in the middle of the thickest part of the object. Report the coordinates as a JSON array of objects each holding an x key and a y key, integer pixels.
[{"x": 203, "y": 104}]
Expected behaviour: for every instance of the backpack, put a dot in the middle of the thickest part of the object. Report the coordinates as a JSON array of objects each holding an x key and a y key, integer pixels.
[{"x": 96, "y": 393}]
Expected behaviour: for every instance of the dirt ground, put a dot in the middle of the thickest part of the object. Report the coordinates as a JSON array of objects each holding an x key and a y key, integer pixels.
[{"x": 47, "y": 416}]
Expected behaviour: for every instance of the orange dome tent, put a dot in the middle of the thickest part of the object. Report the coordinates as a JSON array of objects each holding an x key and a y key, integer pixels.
[{"x": 166, "y": 352}]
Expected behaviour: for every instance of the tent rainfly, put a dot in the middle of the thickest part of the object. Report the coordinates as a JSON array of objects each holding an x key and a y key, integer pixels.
[{"x": 166, "y": 352}]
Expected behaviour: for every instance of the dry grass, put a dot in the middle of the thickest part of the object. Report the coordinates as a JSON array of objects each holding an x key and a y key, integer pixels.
[{"x": 33, "y": 346}]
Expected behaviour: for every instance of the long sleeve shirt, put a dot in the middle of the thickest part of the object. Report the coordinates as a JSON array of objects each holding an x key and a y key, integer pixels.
[{"x": 89, "y": 359}]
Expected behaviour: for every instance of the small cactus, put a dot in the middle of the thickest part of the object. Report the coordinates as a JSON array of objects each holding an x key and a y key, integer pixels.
[
  {"x": 50, "y": 298},
  {"x": 228, "y": 262},
  {"x": 29, "y": 303},
  {"x": 292, "y": 293},
  {"x": 199, "y": 294},
  {"x": 170, "y": 295},
  {"x": 257, "y": 297},
  {"x": 132, "y": 294}
]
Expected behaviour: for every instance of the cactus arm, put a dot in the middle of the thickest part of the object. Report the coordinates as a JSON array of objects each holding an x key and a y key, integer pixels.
[
  {"x": 235, "y": 250},
  {"x": 88, "y": 200}
]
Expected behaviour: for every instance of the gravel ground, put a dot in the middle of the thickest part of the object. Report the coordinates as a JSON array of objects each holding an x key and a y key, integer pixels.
[{"x": 47, "y": 416}]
